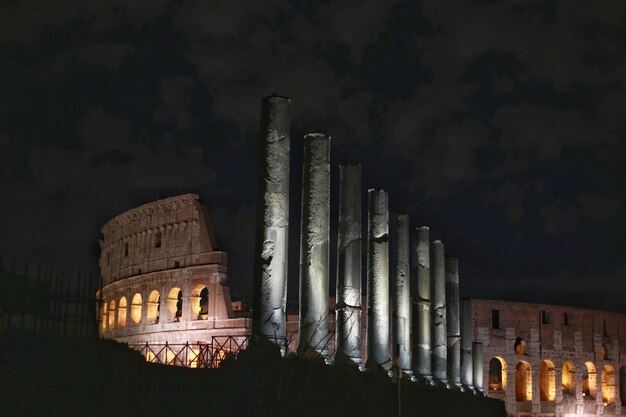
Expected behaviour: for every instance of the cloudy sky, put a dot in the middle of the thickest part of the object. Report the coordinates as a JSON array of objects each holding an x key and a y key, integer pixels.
[{"x": 501, "y": 125}]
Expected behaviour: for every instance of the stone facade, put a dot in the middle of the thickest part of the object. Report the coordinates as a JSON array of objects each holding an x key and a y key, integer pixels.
[
  {"x": 547, "y": 360},
  {"x": 163, "y": 279}
]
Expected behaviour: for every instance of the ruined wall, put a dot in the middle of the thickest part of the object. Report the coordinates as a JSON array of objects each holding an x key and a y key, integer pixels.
[{"x": 552, "y": 360}]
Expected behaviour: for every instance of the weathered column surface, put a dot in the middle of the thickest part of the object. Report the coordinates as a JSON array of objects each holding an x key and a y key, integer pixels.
[
  {"x": 466, "y": 344},
  {"x": 272, "y": 224},
  {"x": 421, "y": 302},
  {"x": 402, "y": 291},
  {"x": 348, "y": 302},
  {"x": 477, "y": 365},
  {"x": 377, "y": 278},
  {"x": 453, "y": 325},
  {"x": 314, "y": 237},
  {"x": 438, "y": 311}
]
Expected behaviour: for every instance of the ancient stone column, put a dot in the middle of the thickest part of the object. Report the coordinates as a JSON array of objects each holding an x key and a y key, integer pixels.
[
  {"x": 314, "y": 239},
  {"x": 477, "y": 365},
  {"x": 348, "y": 301},
  {"x": 420, "y": 273},
  {"x": 402, "y": 291},
  {"x": 453, "y": 324},
  {"x": 466, "y": 344},
  {"x": 377, "y": 278},
  {"x": 438, "y": 312},
  {"x": 270, "y": 263}
]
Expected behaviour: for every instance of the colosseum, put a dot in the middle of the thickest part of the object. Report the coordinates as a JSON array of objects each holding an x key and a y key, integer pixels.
[
  {"x": 164, "y": 283},
  {"x": 548, "y": 360}
]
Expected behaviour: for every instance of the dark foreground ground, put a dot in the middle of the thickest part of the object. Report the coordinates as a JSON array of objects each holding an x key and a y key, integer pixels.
[{"x": 94, "y": 377}]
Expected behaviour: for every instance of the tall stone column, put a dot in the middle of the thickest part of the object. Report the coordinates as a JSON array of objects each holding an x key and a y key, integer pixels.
[
  {"x": 272, "y": 223},
  {"x": 314, "y": 239},
  {"x": 477, "y": 365},
  {"x": 421, "y": 302},
  {"x": 348, "y": 301},
  {"x": 377, "y": 278},
  {"x": 438, "y": 311},
  {"x": 466, "y": 344},
  {"x": 402, "y": 291},
  {"x": 453, "y": 324}
]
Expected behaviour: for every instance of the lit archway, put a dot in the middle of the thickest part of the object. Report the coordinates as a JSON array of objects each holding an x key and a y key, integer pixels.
[
  {"x": 547, "y": 381},
  {"x": 568, "y": 378},
  {"x": 589, "y": 379},
  {"x": 154, "y": 307},
  {"x": 103, "y": 319},
  {"x": 135, "y": 308},
  {"x": 200, "y": 302},
  {"x": 121, "y": 313},
  {"x": 497, "y": 374},
  {"x": 523, "y": 381},
  {"x": 111, "y": 323},
  {"x": 622, "y": 384},
  {"x": 608, "y": 384},
  {"x": 175, "y": 304}
]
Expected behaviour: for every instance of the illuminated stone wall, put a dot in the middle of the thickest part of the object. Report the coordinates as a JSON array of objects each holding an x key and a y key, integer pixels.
[
  {"x": 552, "y": 360},
  {"x": 163, "y": 280}
]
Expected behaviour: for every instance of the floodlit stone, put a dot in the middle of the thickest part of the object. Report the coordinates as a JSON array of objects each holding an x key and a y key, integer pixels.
[
  {"x": 438, "y": 312},
  {"x": 466, "y": 344},
  {"x": 348, "y": 301},
  {"x": 272, "y": 234},
  {"x": 377, "y": 279},
  {"x": 453, "y": 324},
  {"x": 314, "y": 234},
  {"x": 402, "y": 293},
  {"x": 477, "y": 361},
  {"x": 420, "y": 274}
]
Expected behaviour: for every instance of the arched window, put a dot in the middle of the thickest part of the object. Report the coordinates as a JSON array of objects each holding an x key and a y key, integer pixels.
[
  {"x": 154, "y": 307},
  {"x": 103, "y": 320},
  {"x": 200, "y": 302},
  {"x": 523, "y": 382},
  {"x": 121, "y": 313},
  {"x": 497, "y": 374},
  {"x": 568, "y": 378},
  {"x": 589, "y": 380},
  {"x": 547, "y": 383},
  {"x": 135, "y": 308},
  {"x": 175, "y": 304},
  {"x": 622, "y": 384},
  {"x": 111, "y": 324},
  {"x": 204, "y": 301},
  {"x": 608, "y": 384}
]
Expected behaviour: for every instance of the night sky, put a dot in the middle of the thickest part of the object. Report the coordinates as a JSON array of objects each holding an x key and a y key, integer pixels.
[{"x": 501, "y": 125}]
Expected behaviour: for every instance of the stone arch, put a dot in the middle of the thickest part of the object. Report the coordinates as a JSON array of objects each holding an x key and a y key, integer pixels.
[
  {"x": 622, "y": 384},
  {"x": 497, "y": 374},
  {"x": 135, "y": 308},
  {"x": 568, "y": 378},
  {"x": 547, "y": 381},
  {"x": 103, "y": 317},
  {"x": 200, "y": 302},
  {"x": 608, "y": 384},
  {"x": 154, "y": 307},
  {"x": 523, "y": 381},
  {"x": 175, "y": 304},
  {"x": 589, "y": 379},
  {"x": 111, "y": 321},
  {"x": 121, "y": 313}
]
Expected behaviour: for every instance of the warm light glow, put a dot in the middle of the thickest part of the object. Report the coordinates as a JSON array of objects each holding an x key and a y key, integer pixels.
[
  {"x": 547, "y": 381},
  {"x": 135, "y": 309},
  {"x": 154, "y": 300},
  {"x": 121, "y": 313}
]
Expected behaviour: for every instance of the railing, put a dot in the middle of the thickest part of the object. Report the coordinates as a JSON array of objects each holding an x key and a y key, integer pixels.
[{"x": 193, "y": 355}]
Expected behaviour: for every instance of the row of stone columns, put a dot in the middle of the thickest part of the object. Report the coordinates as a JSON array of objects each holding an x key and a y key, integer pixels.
[{"x": 427, "y": 332}]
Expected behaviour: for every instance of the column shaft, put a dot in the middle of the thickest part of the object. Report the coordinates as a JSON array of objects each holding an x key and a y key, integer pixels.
[
  {"x": 438, "y": 311},
  {"x": 348, "y": 301},
  {"x": 453, "y": 325},
  {"x": 466, "y": 344},
  {"x": 477, "y": 365},
  {"x": 377, "y": 278},
  {"x": 402, "y": 291},
  {"x": 421, "y": 301},
  {"x": 272, "y": 224},
  {"x": 314, "y": 244}
]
